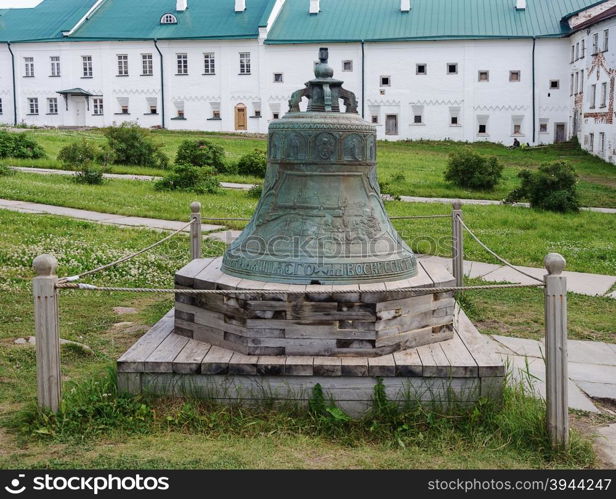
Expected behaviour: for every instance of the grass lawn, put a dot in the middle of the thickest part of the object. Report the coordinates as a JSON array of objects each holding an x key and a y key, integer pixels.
[
  {"x": 521, "y": 235},
  {"x": 421, "y": 163},
  {"x": 100, "y": 429}
]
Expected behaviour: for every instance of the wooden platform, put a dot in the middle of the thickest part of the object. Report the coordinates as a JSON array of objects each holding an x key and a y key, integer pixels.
[{"x": 459, "y": 370}]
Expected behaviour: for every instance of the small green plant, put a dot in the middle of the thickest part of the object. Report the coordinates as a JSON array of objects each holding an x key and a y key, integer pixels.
[
  {"x": 552, "y": 187},
  {"x": 90, "y": 174},
  {"x": 133, "y": 145},
  {"x": 468, "y": 169},
  {"x": 201, "y": 153},
  {"x": 199, "y": 179},
  {"x": 78, "y": 154},
  {"x": 255, "y": 191},
  {"x": 5, "y": 171},
  {"x": 19, "y": 145},
  {"x": 253, "y": 163}
]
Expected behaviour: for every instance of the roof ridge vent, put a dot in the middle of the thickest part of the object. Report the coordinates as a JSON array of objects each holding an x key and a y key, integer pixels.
[
  {"x": 405, "y": 5},
  {"x": 240, "y": 5},
  {"x": 315, "y": 7},
  {"x": 520, "y": 4},
  {"x": 181, "y": 5}
]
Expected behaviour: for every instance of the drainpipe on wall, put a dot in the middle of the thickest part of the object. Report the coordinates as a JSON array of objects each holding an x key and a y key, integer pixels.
[
  {"x": 363, "y": 80},
  {"x": 162, "y": 85},
  {"x": 534, "y": 113},
  {"x": 8, "y": 44}
]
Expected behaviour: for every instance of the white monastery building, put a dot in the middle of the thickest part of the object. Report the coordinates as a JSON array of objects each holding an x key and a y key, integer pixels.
[{"x": 541, "y": 71}]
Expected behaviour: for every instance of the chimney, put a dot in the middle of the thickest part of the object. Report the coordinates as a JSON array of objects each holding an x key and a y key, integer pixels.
[
  {"x": 240, "y": 5},
  {"x": 405, "y": 5},
  {"x": 314, "y": 7},
  {"x": 520, "y": 4},
  {"x": 181, "y": 5}
]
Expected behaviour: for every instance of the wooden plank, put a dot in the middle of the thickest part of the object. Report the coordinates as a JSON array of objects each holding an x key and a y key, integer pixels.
[
  {"x": 186, "y": 275},
  {"x": 271, "y": 365},
  {"x": 327, "y": 366},
  {"x": 354, "y": 366},
  {"x": 462, "y": 362},
  {"x": 382, "y": 366},
  {"x": 437, "y": 273},
  {"x": 408, "y": 363},
  {"x": 207, "y": 278},
  {"x": 188, "y": 361},
  {"x": 435, "y": 362},
  {"x": 132, "y": 360},
  {"x": 129, "y": 383},
  {"x": 216, "y": 361},
  {"x": 243, "y": 364},
  {"x": 298, "y": 365},
  {"x": 351, "y": 297},
  {"x": 161, "y": 359}
]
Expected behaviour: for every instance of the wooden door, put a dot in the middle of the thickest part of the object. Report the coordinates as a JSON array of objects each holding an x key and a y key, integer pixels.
[
  {"x": 559, "y": 134},
  {"x": 240, "y": 117},
  {"x": 391, "y": 124}
]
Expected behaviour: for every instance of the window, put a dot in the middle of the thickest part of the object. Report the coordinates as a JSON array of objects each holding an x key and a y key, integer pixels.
[
  {"x": 417, "y": 114},
  {"x": 375, "y": 118},
  {"x": 577, "y": 51},
  {"x": 52, "y": 105},
  {"x": 275, "y": 116},
  {"x": 571, "y": 85},
  {"x": 147, "y": 68},
  {"x": 421, "y": 69},
  {"x": 482, "y": 124},
  {"x": 572, "y": 53},
  {"x": 86, "y": 61},
  {"x": 347, "y": 65},
  {"x": 577, "y": 82},
  {"x": 593, "y": 95},
  {"x": 152, "y": 105},
  {"x": 33, "y": 105},
  {"x": 543, "y": 126},
  {"x": 209, "y": 63},
  {"x": 453, "y": 121},
  {"x": 516, "y": 124},
  {"x": 55, "y": 65},
  {"x": 606, "y": 39},
  {"x": 97, "y": 106},
  {"x": 0, "y": 106},
  {"x": 454, "y": 116},
  {"x": 582, "y": 81},
  {"x": 123, "y": 105},
  {"x": 595, "y": 43},
  {"x": 601, "y": 142},
  {"x": 124, "y": 109},
  {"x": 514, "y": 76},
  {"x": 122, "y": 65},
  {"x": 418, "y": 119},
  {"x": 583, "y": 48},
  {"x": 244, "y": 63},
  {"x": 452, "y": 68},
  {"x": 484, "y": 76},
  {"x": 179, "y": 110},
  {"x": 482, "y": 128},
  {"x": 168, "y": 19},
  {"x": 257, "y": 113},
  {"x": 591, "y": 142},
  {"x": 385, "y": 81},
  {"x": 277, "y": 77},
  {"x": 182, "y": 60},
  {"x": 517, "y": 129},
  {"x": 603, "y": 94},
  {"x": 29, "y": 63},
  {"x": 554, "y": 84}
]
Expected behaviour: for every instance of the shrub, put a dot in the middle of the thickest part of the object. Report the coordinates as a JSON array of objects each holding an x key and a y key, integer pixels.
[
  {"x": 468, "y": 169},
  {"x": 199, "y": 179},
  {"x": 78, "y": 154},
  {"x": 5, "y": 171},
  {"x": 19, "y": 145},
  {"x": 133, "y": 145},
  {"x": 90, "y": 174},
  {"x": 551, "y": 187},
  {"x": 255, "y": 191},
  {"x": 201, "y": 153},
  {"x": 253, "y": 163}
]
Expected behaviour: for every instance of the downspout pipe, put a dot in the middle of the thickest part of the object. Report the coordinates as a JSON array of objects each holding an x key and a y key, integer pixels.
[
  {"x": 534, "y": 96},
  {"x": 8, "y": 44},
  {"x": 363, "y": 80},
  {"x": 162, "y": 85}
]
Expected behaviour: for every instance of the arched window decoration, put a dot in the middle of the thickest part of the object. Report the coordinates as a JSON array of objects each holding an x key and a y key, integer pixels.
[{"x": 168, "y": 19}]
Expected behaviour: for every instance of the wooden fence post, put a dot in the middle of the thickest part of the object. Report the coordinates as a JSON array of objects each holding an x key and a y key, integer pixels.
[
  {"x": 195, "y": 230},
  {"x": 49, "y": 381},
  {"x": 556, "y": 376},
  {"x": 457, "y": 233}
]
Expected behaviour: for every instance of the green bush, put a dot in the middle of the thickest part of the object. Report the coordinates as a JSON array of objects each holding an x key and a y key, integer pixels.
[
  {"x": 90, "y": 174},
  {"x": 19, "y": 145},
  {"x": 199, "y": 179},
  {"x": 253, "y": 163},
  {"x": 5, "y": 171},
  {"x": 133, "y": 145},
  {"x": 201, "y": 153},
  {"x": 255, "y": 191},
  {"x": 552, "y": 187},
  {"x": 78, "y": 154},
  {"x": 468, "y": 169}
]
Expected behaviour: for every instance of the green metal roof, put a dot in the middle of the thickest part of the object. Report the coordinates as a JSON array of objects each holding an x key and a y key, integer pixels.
[
  {"x": 46, "y": 21},
  {"x": 381, "y": 20},
  {"x": 140, "y": 19}
]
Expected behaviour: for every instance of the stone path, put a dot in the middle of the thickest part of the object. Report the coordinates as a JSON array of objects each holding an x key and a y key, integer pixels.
[
  {"x": 95, "y": 216},
  {"x": 233, "y": 185}
]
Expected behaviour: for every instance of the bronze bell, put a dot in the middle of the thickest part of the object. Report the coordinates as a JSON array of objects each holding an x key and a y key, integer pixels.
[{"x": 320, "y": 219}]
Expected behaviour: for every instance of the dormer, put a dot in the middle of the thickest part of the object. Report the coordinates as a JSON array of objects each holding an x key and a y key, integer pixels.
[{"x": 168, "y": 18}]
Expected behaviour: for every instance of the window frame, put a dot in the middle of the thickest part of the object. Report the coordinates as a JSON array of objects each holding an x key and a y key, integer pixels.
[
  {"x": 168, "y": 18},
  {"x": 388, "y": 84},
  {"x": 52, "y": 105},
  {"x": 122, "y": 60},
  {"x": 280, "y": 80},
  {"x": 98, "y": 108},
  {"x": 452, "y": 64},
  {"x": 181, "y": 64},
  {"x": 487, "y": 72},
  {"x": 344, "y": 63},
  {"x": 606, "y": 39},
  {"x": 425, "y": 69},
  {"x": 245, "y": 63},
  {"x": 33, "y": 106},
  {"x": 513, "y": 72},
  {"x": 86, "y": 66},
  {"x": 28, "y": 67},
  {"x": 554, "y": 87},
  {"x": 209, "y": 63},
  {"x": 54, "y": 61},
  {"x": 147, "y": 65}
]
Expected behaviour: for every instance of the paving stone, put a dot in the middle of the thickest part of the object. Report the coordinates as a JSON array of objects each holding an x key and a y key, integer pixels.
[
  {"x": 522, "y": 346},
  {"x": 598, "y": 390},
  {"x": 591, "y": 352},
  {"x": 227, "y": 236},
  {"x": 605, "y": 444},
  {"x": 594, "y": 373},
  {"x": 21, "y": 341}
]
